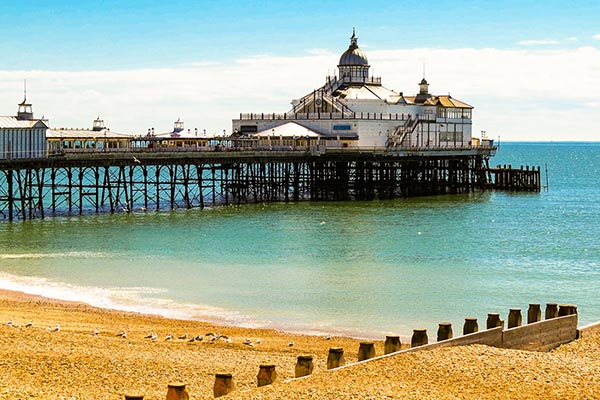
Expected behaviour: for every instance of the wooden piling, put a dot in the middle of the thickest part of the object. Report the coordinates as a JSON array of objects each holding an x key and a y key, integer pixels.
[
  {"x": 266, "y": 375},
  {"x": 444, "y": 331},
  {"x": 335, "y": 358},
  {"x": 134, "y": 396},
  {"x": 470, "y": 326},
  {"x": 176, "y": 391},
  {"x": 514, "y": 318},
  {"x": 419, "y": 337},
  {"x": 493, "y": 321},
  {"x": 392, "y": 344},
  {"x": 366, "y": 350},
  {"x": 304, "y": 366},
  {"x": 534, "y": 313},
  {"x": 567, "y": 309},
  {"x": 551, "y": 310},
  {"x": 223, "y": 385}
]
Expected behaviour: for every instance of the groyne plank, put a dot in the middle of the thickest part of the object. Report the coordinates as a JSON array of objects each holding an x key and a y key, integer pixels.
[
  {"x": 491, "y": 337},
  {"x": 542, "y": 335},
  {"x": 587, "y": 330}
]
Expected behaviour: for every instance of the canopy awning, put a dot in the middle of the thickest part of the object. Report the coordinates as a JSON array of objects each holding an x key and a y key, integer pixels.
[{"x": 288, "y": 130}]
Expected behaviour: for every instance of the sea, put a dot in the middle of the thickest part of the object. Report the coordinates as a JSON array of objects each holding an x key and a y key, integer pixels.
[{"x": 362, "y": 269}]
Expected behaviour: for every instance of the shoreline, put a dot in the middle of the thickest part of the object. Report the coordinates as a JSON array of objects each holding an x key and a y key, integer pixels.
[
  {"x": 71, "y": 362},
  {"x": 171, "y": 309},
  {"x": 169, "y": 360}
]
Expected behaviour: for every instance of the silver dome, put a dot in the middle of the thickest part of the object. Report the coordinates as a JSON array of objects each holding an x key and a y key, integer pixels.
[{"x": 354, "y": 55}]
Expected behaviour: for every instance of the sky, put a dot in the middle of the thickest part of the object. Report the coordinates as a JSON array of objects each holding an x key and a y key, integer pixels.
[{"x": 530, "y": 68}]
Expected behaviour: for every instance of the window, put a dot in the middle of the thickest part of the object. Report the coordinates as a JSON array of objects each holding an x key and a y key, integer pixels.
[
  {"x": 346, "y": 127},
  {"x": 451, "y": 136}
]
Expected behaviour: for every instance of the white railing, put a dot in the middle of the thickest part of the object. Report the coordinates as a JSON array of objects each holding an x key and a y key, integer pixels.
[
  {"x": 330, "y": 116},
  {"x": 323, "y": 148}
]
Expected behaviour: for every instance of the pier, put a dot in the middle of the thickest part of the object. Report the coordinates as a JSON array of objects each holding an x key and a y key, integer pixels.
[
  {"x": 518, "y": 179},
  {"x": 76, "y": 183}
]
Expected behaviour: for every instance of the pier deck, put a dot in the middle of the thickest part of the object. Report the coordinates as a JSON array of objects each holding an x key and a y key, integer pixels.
[{"x": 155, "y": 179}]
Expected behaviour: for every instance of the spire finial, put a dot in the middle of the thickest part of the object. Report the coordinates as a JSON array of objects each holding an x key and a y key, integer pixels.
[
  {"x": 353, "y": 39},
  {"x": 423, "y": 69},
  {"x": 24, "y": 90}
]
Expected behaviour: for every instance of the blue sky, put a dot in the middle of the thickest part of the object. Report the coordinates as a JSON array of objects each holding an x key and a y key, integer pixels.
[{"x": 147, "y": 63}]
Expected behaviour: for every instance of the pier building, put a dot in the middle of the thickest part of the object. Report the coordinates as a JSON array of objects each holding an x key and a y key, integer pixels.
[
  {"x": 99, "y": 137},
  {"x": 23, "y": 136},
  {"x": 178, "y": 137},
  {"x": 354, "y": 109}
]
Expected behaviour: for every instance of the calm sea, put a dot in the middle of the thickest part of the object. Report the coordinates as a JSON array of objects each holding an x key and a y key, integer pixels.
[{"x": 356, "y": 268}]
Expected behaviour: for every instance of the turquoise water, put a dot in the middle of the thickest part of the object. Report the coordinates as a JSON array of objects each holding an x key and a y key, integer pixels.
[{"x": 357, "y": 268}]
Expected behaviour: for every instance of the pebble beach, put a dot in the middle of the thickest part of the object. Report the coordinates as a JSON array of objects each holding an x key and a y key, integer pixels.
[{"x": 61, "y": 350}]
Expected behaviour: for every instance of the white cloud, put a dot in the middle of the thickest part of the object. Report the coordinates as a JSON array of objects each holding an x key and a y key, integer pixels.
[
  {"x": 542, "y": 42},
  {"x": 517, "y": 94},
  {"x": 596, "y": 36}
]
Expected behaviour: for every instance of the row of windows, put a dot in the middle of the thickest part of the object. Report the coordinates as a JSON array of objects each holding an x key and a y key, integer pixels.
[
  {"x": 464, "y": 113},
  {"x": 451, "y": 136}
]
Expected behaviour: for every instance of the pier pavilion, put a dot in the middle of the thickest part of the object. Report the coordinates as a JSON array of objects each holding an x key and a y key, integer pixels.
[
  {"x": 22, "y": 136},
  {"x": 99, "y": 138},
  {"x": 354, "y": 109}
]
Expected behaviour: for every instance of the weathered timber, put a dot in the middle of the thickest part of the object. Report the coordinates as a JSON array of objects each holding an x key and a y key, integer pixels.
[{"x": 523, "y": 179}]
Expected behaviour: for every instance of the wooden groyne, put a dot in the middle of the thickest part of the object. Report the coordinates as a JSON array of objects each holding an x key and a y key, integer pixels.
[
  {"x": 147, "y": 180},
  {"x": 559, "y": 326}
]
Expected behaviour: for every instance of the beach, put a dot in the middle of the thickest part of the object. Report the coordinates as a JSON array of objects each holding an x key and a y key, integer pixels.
[{"x": 39, "y": 361}]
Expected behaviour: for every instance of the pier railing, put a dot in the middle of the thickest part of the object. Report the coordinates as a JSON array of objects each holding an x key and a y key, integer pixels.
[
  {"x": 248, "y": 148},
  {"x": 333, "y": 116}
]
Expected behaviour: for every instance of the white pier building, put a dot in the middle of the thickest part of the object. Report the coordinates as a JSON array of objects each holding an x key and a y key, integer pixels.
[
  {"x": 354, "y": 109},
  {"x": 23, "y": 136}
]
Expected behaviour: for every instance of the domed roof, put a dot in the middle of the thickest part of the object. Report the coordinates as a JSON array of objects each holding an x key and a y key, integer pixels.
[{"x": 354, "y": 55}]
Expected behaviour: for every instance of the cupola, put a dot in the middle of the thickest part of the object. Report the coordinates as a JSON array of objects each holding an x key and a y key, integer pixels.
[
  {"x": 98, "y": 124},
  {"x": 424, "y": 87},
  {"x": 354, "y": 66},
  {"x": 178, "y": 126},
  {"x": 423, "y": 92},
  {"x": 25, "y": 112}
]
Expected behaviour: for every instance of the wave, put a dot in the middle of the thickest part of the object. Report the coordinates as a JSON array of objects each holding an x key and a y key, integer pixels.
[
  {"x": 147, "y": 300},
  {"x": 136, "y": 299},
  {"x": 74, "y": 254}
]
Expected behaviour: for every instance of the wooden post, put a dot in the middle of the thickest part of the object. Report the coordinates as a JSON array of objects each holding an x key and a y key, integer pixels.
[
  {"x": 493, "y": 321},
  {"x": 366, "y": 350},
  {"x": 534, "y": 313},
  {"x": 223, "y": 384},
  {"x": 419, "y": 337},
  {"x": 266, "y": 375},
  {"x": 551, "y": 310},
  {"x": 176, "y": 391},
  {"x": 304, "y": 366},
  {"x": 566, "y": 309},
  {"x": 10, "y": 196},
  {"x": 444, "y": 331},
  {"x": 134, "y": 396},
  {"x": 514, "y": 318},
  {"x": 392, "y": 344},
  {"x": 470, "y": 326},
  {"x": 335, "y": 358}
]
